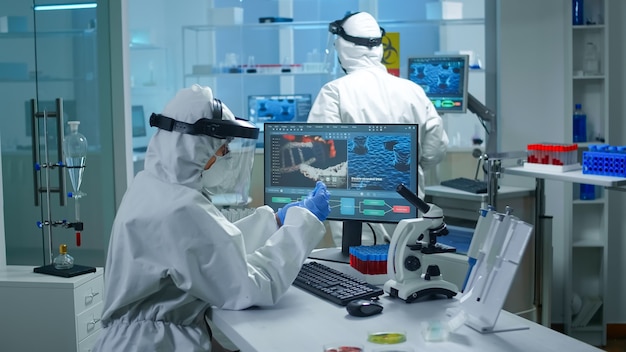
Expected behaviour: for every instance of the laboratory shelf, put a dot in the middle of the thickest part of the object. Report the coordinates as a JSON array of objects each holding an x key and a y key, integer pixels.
[
  {"x": 323, "y": 25},
  {"x": 587, "y": 253},
  {"x": 597, "y": 201},
  {"x": 250, "y": 75},
  {"x": 588, "y": 243}
]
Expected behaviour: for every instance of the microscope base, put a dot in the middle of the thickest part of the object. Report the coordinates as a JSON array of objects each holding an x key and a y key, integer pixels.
[{"x": 414, "y": 290}]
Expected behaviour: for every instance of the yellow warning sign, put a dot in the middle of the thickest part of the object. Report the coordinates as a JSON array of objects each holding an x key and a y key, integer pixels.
[{"x": 391, "y": 52}]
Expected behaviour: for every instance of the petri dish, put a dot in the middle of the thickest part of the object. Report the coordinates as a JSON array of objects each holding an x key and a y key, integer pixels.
[
  {"x": 386, "y": 337},
  {"x": 343, "y": 347}
]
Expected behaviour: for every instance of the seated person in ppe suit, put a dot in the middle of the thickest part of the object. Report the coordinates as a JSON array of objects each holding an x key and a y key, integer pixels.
[
  {"x": 368, "y": 94},
  {"x": 173, "y": 255}
]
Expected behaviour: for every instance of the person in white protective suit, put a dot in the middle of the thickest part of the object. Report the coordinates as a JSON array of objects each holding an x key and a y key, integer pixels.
[
  {"x": 173, "y": 255},
  {"x": 368, "y": 94}
]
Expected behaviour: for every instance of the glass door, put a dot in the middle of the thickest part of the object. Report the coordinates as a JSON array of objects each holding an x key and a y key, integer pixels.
[{"x": 49, "y": 76}]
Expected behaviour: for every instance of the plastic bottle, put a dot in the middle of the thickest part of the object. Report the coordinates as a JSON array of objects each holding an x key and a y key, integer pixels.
[
  {"x": 578, "y": 15},
  {"x": 75, "y": 152},
  {"x": 591, "y": 65},
  {"x": 63, "y": 261},
  {"x": 580, "y": 125},
  {"x": 587, "y": 192}
]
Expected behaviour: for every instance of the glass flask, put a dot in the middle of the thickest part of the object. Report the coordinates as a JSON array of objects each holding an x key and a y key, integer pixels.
[
  {"x": 75, "y": 152},
  {"x": 63, "y": 260}
]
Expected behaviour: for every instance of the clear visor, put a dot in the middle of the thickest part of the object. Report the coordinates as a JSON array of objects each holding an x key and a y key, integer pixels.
[
  {"x": 331, "y": 64},
  {"x": 236, "y": 167}
]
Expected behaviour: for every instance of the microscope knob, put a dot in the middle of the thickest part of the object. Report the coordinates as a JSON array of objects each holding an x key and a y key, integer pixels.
[
  {"x": 431, "y": 272},
  {"x": 412, "y": 263}
]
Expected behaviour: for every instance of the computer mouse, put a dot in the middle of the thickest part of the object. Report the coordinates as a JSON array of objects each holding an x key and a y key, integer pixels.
[{"x": 364, "y": 307}]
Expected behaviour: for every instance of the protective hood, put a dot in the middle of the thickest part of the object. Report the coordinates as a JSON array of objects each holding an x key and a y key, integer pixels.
[
  {"x": 177, "y": 157},
  {"x": 352, "y": 56}
]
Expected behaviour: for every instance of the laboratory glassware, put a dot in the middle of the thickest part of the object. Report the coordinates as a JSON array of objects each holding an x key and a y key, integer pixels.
[
  {"x": 63, "y": 261},
  {"x": 75, "y": 152}
]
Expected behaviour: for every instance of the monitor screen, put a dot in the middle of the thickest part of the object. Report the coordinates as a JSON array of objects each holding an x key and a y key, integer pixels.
[
  {"x": 361, "y": 165},
  {"x": 277, "y": 108},
  {"x": 141, "y": 135},
  {"x": 444, "y": 79},
  {"x": 139, "y": 121}
]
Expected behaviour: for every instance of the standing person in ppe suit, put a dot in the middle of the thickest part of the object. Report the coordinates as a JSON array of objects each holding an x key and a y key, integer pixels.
[
  {"x": 368, "y": 94},
  {"x": 173, "y": 255}
]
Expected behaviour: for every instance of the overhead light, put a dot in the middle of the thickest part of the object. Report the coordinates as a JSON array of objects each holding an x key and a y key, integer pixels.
[{"x": 87, "y": 5}]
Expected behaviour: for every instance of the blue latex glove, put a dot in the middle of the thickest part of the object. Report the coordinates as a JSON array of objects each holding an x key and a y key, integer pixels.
[{"x": 316, "y": 202}]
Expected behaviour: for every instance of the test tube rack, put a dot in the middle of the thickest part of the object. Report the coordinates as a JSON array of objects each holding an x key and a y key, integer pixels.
[{"x": 605, "y": 160}]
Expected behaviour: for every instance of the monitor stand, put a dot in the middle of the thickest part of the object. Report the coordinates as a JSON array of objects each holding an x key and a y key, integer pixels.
[{"x": 351, "y": 236}]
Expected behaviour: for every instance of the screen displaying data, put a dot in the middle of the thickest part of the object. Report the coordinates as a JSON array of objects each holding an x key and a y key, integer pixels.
[
  {"x": 444, "y": 79},
  {"x": 361, "y": 164},
  {"x": 277, "y": 108}
]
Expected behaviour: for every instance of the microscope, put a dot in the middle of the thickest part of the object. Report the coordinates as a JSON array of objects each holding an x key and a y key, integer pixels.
[{"x": 412, "y": 239}]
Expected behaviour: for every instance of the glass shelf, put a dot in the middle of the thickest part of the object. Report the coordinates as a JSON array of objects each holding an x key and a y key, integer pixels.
[{"x": 324, "y": 24}]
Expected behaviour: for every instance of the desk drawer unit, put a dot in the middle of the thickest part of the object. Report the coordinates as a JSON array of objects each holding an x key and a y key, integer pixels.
[{"x": 41, "y": 311}]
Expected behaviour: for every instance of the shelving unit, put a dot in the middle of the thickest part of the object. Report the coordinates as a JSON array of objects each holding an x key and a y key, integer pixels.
[
  {"x": 225, "y": 70},
  {"x": 586, "y": 249},
  {"x": 287, "y": 42}
]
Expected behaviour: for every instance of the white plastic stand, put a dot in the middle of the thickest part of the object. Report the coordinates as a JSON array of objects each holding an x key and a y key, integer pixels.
[{"x": 491, "y": 277}]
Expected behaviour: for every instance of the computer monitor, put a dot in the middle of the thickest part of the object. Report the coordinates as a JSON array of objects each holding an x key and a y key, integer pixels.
[
  {"x": 140, "y": 133},
  {"x": 444, "y": 79},
  {"x": 277, "y": 108},
  {"x": 361, "y": 164}
]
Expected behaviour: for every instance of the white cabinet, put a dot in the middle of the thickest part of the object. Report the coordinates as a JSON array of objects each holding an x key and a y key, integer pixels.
[
  {"x": 43, "y": 312},
  {"x": 586, "y": 249}
]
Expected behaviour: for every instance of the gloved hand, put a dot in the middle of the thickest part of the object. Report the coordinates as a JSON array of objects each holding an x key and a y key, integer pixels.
[{"x": 316, "y": 202}]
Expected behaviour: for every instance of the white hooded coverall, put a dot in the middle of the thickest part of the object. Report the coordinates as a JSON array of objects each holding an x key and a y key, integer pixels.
[
  {"x": 172, "y": 254},
  {"x": 368, "y": 94}
]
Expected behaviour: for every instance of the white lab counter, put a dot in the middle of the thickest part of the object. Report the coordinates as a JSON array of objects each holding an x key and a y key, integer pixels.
[{"x": 303, "y": 322}]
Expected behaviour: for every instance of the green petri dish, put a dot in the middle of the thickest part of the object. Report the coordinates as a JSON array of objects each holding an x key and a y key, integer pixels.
[{"x": 386, "y": 338}]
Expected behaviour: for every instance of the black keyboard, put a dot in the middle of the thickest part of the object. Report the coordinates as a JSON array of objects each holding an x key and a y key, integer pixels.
[
  {"x": 466, "y": 184},
  {"x": 333, "y": 285}
]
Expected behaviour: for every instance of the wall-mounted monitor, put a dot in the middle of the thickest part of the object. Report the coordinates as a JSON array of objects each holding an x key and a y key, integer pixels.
[
  {"x": 444, "y": 79},
  {"x": 277, "y": 108}
]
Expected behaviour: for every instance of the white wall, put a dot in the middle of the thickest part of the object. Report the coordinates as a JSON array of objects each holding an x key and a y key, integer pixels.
[
  {"x": 3, "y": 254},
  {"x": 531, "y": 100}
]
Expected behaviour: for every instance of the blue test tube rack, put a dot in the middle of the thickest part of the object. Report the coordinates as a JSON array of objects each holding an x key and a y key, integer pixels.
[{"x": 605, "y": 160}]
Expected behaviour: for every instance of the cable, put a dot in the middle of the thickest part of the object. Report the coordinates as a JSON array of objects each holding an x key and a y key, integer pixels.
[{"x": 373, "y": 232}]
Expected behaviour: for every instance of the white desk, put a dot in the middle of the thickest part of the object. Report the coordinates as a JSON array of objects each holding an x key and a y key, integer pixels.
[
  {"x": 303, "y": 322},
  {"x": 576, "y": 176}
]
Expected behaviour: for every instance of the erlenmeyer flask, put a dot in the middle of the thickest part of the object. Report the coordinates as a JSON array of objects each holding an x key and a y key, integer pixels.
[{"x": 75, "y": 152}]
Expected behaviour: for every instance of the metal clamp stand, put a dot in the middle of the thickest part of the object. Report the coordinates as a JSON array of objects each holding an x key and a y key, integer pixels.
[{"x": 47, "y": 189}]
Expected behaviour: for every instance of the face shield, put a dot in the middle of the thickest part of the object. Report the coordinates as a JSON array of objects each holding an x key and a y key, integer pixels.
[
  {"x": 351, "y": 37},
  {"x": 227, "y": 180},
  {"x": 235, "y": 141}
]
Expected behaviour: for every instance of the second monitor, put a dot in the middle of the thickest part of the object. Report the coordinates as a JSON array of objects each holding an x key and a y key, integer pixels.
[
  {"x": 444, "y": 80},
  {"x": 361, "y": 164},
  {"x": 277, "y": 108}
]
